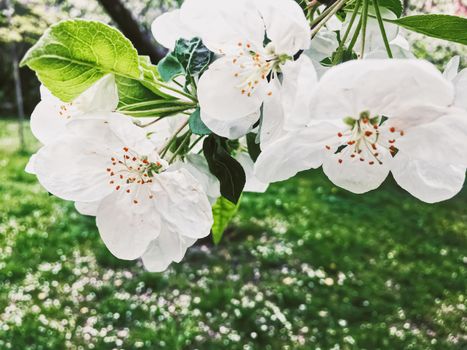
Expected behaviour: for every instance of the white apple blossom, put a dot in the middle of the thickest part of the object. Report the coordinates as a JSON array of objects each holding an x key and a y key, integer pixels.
[
  {"x": 372, "y": 117},
  {"x": 459, "y": 79},
  {"x": 142, "y": 205},
  {"x": 235, "y": 86}
]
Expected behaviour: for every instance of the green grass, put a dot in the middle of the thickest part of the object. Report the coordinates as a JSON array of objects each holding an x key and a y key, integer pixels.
[{"x": 305, "y": 266}]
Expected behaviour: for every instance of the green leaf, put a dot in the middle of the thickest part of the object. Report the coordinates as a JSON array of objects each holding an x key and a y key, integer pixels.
[
  {"x": 193, "y": 55},
  {"x": 196, "y": 124},
  {"x": 228, "y": 171},
  {"x": 223, "y": 212},
  {"x": 169, "y": 67},
  {"x": 451, "y": 28},
  {"x": 394, "y": 6},
  {"x": 74, "y": 54},
  {"x": 253, "y": 148}
]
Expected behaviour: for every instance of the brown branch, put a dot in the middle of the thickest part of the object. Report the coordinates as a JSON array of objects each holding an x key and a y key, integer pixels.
[{"x": 141, "y": 39}]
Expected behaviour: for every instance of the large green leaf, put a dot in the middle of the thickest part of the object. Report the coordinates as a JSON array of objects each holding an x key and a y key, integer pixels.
[
  {"x": 169, "y": 67},
  {"x": 228, "y": 171},
  {"x": 445, "y": 27},
  {"x": 74, "y": 54},
  {"x": 223, "y": 212}
]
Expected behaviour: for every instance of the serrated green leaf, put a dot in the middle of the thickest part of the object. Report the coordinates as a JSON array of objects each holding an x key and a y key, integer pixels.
[
  {"x": 193, "y": 55},
  {"x": 223, "y": 211},
  {"x": 222, "y": 165},
  {"x": 196, "y": 124},
  {"x": 74, "y": 54},
  {"x": 451, "y": 28},
  {"x": 169, "y": 67}
]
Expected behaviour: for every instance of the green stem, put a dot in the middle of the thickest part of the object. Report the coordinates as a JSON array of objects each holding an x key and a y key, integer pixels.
[
  {"x": 166, "y": 147},
  {"x": 355, "y": 35},
  {"x": 346, "y": 34},
  {"x": 336, "y": 7},
  {"x": 195, "y": 143},
  {"x": 180, "y": 147},
  {"x": 157, "y": 111},
  {"x": 381, "y": 28},
  {"x": 323, "y": 14},
  {"x": 364, "y": 23},
  {"x": 152, "y": 103},
  {"x": 168, "y": 87}
]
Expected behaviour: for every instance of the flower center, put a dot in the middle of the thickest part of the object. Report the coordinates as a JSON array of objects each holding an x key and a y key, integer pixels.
[
  {"x": 130, "y": 168},
  {"x": 256, "y": 67},
  {"x": 365, "y": 137}
]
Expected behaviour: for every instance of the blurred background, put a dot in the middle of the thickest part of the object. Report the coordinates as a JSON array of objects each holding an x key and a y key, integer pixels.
[{"x": 304, "y": 266}]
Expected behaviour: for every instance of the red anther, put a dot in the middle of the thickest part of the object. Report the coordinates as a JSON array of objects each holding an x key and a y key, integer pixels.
[
  {"x": 125, "y": 149},
  {"x": 158, "y": 163},
  {"x": 135, "y": 201},
  {"x": 368, "y": 133},
  {"x": 117, "y": 188},
  {"x": 151, "y": 196},
  {"x": 365, "y": 120},
  {"x": 371, "y": 163},
  {"x": 359, "y": 151},
  {"x": 134, "y": 159},
  {"x": 239, "y": 44},
  {"x": 114, "y": 163},
  {"x": 340, "y": 161},
  {"x": 373, "y": 145},
  {"x": 392, "y": 129},
  {"x": 112, "y": 159},
  {"x": 327, "y": 147},
  {"x": 339, "y": 134},
  {"x": 121, "y": 176},
  {"x": 145, "y": 175},
  {"x": 392, "y": 141},
  {"x": 234, "y": 60},
  {"x": 112, "y": 182},
  {"x": 376, "y": 154},
  {"x": 362, "y": 159},
  {"x": 248, "y": 45},
  {"x": 108, "y": 169},
  {"x": 128, "y": 191},
  {"x": 402, "y": 133},
  {"x": 352, "y": 156},
  {"x": 243, "y": 92},
  {"x": 270, "y": 93},
  {"x": 375, "y": 126},
  {"x": 249, "y": 94},
  {"x": 112, "y": 173}
]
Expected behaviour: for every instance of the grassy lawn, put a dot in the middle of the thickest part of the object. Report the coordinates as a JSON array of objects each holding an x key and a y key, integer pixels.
[{"x": 305, "y": 266}]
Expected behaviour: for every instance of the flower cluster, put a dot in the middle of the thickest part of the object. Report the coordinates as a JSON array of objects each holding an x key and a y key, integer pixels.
[{"x": 271, "y": 89}]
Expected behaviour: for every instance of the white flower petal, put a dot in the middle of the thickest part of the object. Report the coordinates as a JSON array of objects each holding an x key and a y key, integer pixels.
[
  {"x": 355, "y": 175},
  {"x": 429, "y": 181},
  {"x": 300, "y": 80},
  {"x": 167, "y": 248},
  {"x": 383, "y": 87},
  {"x": 46, "y": 123},
  {"x": 101, "y": 96},
  {"x": 452, "y": 68},
  {"x": 125, "y": 227},
  {"x": 224, "y": 23},
  {"x": 197, "y": 166},
  {"x": 181, "y": 191},
  {"x": 253, "y": 184},
  {"x": 30, "y": 166},
  {"x": 441, "y": 141},
  {"x": 74, "y": 169},
  {"x": 322, "y": 45},
  {"x": 294, "y": 152},
  {"x": 273, "y": 119},
  {"x": 460, "y": 82},
  {"x": 231, "y": 129},
  {"x": 220, "y": 94},
  {"x": 168, "y": 28},
  {"x": 286, "y": 25},
  {"x": 87, "y": 208}
]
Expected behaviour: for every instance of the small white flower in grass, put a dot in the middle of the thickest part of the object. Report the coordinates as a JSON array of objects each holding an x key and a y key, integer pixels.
[
  {"x": 49, "y": 118},
  {"x": 235, "y": 86},
  {"x": 141, "y": 203},
  {"x": 369, "y": 118}
]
